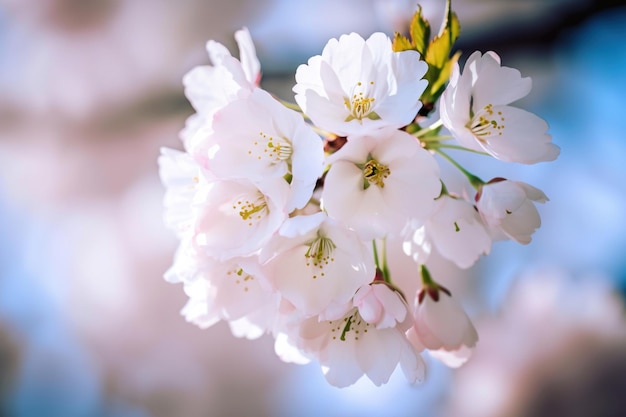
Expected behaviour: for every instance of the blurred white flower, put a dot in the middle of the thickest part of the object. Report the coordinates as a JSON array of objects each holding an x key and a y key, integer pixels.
[
  {"x": 358, "y": 85},
  {"x": 377, "y": 182},
  {"x": 475, "y": 108},
  {"x": 258, "y": 138},
  {"x": 508, "y": 210},
  {"x": 182, "y": 177}
]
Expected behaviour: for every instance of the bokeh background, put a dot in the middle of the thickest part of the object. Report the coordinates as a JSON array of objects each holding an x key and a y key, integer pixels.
[{"x": 91, "y": 89}]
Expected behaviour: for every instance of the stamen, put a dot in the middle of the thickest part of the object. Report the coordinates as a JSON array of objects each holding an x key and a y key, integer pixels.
[
  {"x": 484, "y": 122},
  {"x": 269, "y": 147},
  {"x": 320, "y": 251},
  {"x": 241, "y": 277},
  {"x": 375, "y": 173},
  {"x": 252, "y": 211},
  {"x": 360, "y": 104}
]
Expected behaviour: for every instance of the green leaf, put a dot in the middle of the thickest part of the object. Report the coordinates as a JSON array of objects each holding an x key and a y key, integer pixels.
[
  {"x": 401, "y": 43},
  {"x": 420, "y": 31},
  {"x": 437, "y": 86},
  {"x": 441, "y": 45}
]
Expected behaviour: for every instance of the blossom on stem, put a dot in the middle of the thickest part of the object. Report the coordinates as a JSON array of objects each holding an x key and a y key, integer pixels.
[
  {"x": 357, "y": 85},
  {"x": 258, "y": 138},
  {"x": 211, "y": 87},
  {"x": 376, "y": 183},
  {"x": 442, "y": 326},
  {"x": 475, "y": 108},
  {"x": 507, "y": 207}
]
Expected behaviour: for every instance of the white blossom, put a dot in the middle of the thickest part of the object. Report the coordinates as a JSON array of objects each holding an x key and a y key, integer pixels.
[
  {"x": 508, "y": 208},
  {"x": 239, "y": 217},
  {"x": 319, "y": 266},
  {"x": 358, "y": 85},
  {"x": 376, "y": 183},
  {"x": 475, "y": 108},
  {"x": 258, "y": 138}
]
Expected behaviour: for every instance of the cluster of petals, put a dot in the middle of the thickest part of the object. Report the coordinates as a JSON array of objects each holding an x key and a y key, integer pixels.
[
  {"x": 278, "y": 237},
  {"x": 357, "y": 85}
]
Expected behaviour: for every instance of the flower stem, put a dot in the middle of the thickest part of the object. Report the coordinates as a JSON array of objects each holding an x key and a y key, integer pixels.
[
  {"x": 473, "y": 179},
  {"x": 384, "y": 268},
  {"x": 428, "y": 129},
  {"x": 292, "y": 106},
  {"x": 427, "y": 280},
  {"x": 435, "y": 146},
  {"x": 375, "y": 250}
]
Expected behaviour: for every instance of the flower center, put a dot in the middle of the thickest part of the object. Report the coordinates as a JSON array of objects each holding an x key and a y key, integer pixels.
[
  {"x": 360, "y": 104},
  {"x": 268, "y": 147},
  {"x": 319, "y": 254},
  {"x": 251, "y": 211},
  {"x": 240, "y": 277},
  {"x": 375, "y": 173},
  {"x": 351, "y": 326},
  {"x": 486, "y": 122}
]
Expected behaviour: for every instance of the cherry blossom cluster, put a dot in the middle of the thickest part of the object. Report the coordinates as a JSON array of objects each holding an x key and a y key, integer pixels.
[{"x": 291, "y": 215}]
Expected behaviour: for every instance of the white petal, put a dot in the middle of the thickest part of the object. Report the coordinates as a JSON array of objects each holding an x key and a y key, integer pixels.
[
  {"x": 522, "y": 139},
  {"x": 498, "y": 85}
]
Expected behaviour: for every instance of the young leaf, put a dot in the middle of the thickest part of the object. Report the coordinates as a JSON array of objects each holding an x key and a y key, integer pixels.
[
  {"x": 436, "y": 87},
  {"x": 420, "y": 31},
  {"x": 441, "y": 45},
  {"x": 401, "y": 43}
]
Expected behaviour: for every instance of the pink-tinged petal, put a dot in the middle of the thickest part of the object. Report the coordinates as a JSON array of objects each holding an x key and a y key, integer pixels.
[
  {"x": 454, "y": 358},
  {"x": 343, "y": 372},
  {"x": 508, "y": 208},
  {"x": 394, "y": 308},
  {"x": 379, "y": 367},
  {"x": 287, "y": 352},
  {"x": 443, "y": 324},
  {"x": 369, "y": 307},
  {"x": 412, "y": 364}
]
